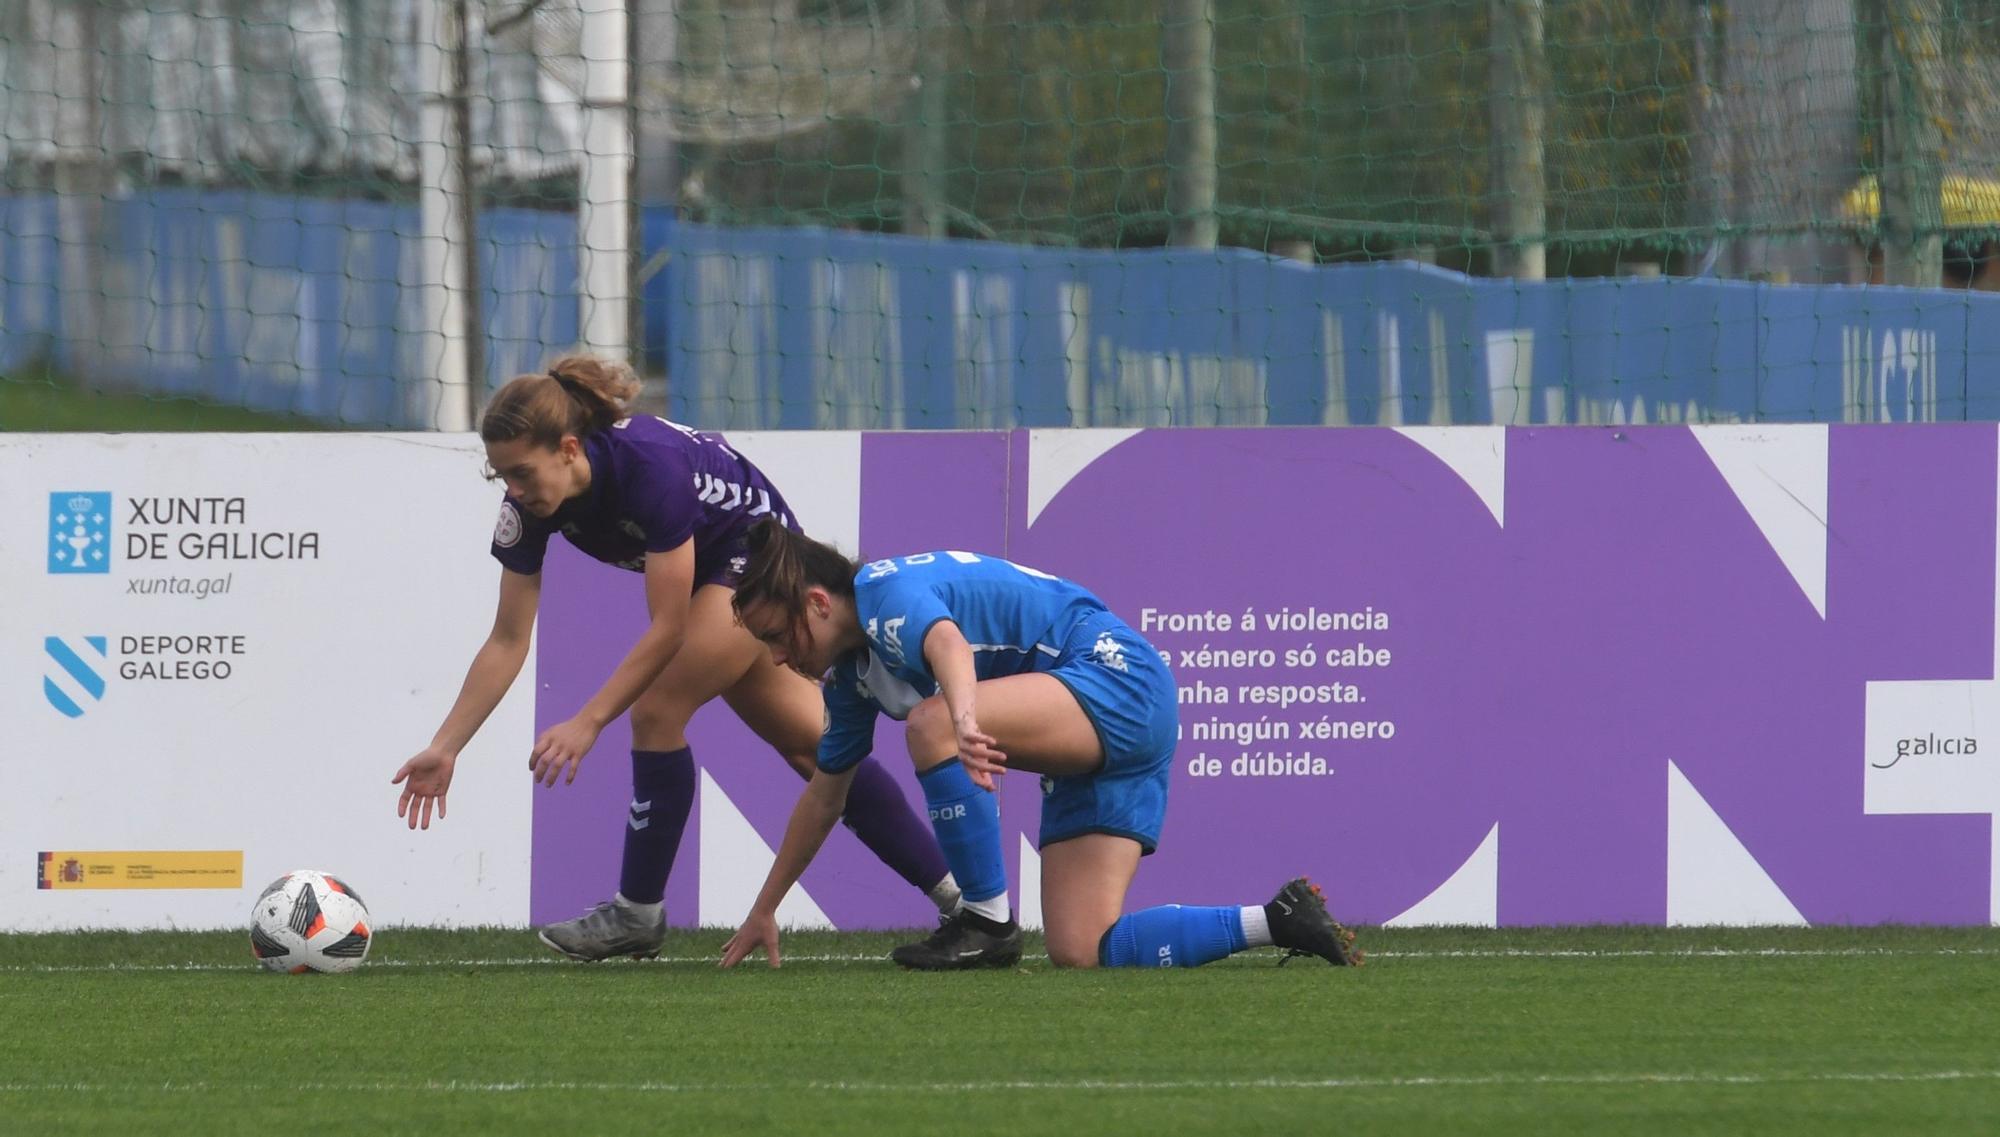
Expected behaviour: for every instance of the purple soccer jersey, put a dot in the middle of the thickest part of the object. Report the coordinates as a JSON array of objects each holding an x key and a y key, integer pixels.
[{"x": 653, "y": 485}]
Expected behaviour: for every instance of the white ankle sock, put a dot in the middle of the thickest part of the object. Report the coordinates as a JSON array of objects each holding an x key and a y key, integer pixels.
[
  {"x": 994, "y": 908},
  {"x": 1256, "y": 926}
]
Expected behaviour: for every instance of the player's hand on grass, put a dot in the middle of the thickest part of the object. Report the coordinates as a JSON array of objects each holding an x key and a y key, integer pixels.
[
  {"x": 976, "y": 750},
  {"x": 424, "y": 779},
  {"x": 759, "y": 930},
  {"x": 561, "y": 746}
]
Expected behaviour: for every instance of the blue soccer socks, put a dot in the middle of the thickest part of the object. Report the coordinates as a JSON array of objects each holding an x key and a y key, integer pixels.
[
  {"x": 1175, "y": 936},
  {"x": 966, "y": 820}
]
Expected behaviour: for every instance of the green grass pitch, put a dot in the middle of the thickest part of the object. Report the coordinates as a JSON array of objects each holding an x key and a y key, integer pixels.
[
  {"x": 1684, "y": 1031},
  {"x": 38, "y": 399}
]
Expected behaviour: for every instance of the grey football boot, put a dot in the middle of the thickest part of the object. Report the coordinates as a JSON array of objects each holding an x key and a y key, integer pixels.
[{"x": 606, "y": 930}]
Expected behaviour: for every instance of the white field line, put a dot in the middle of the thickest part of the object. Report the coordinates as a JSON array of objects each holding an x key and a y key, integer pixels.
[
  {"x": 1077, "y": 1085},
  {"x": 874, "y": 957},
  {"x": 1670, "y": 953}
]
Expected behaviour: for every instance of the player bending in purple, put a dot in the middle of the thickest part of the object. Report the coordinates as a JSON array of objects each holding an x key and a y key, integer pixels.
[{"x": 674, "y": 505}]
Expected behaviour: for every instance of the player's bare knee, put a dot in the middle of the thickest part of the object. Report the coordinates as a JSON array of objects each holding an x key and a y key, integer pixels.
[
  {"x": 929, "y": 731},
  {"x": 1072, "y": 950},
  {"x": 802, "y": 762},
  {"x": 799, "y": 748},
  {"x": 657, "y": 723}
]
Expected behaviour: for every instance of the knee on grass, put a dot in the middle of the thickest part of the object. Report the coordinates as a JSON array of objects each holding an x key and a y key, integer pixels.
[{"x": 1068, "y": 948}]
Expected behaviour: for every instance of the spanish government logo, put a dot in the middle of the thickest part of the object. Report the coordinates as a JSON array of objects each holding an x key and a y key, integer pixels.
[{"x": 79, "y": 532}]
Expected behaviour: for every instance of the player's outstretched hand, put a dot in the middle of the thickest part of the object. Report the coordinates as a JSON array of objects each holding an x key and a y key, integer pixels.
[
  {"x": 424, "y": 779},
  {"x": 759, "y": 930},
  {"x": 561, "y": 746},
  {"x": 976, "y": 749}
]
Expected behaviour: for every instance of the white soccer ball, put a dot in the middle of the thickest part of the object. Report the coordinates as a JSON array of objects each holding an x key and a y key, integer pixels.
[{"x": 309, "y": 921}]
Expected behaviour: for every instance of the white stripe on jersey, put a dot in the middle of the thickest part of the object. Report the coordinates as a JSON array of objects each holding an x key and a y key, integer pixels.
[{"x": 1043, "y": 648}]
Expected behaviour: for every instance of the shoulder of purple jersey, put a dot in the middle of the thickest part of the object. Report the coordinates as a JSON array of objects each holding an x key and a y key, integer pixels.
[{"x": 512, "y": 522}]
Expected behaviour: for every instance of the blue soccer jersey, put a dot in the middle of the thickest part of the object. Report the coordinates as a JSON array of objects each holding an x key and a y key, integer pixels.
[{"x": 1017, "y": 620}]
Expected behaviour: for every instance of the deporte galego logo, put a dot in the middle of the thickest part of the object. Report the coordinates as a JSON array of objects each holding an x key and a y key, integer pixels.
[
  {"x": 73, "y": 673},
  {"x": 77, "y": 670}
]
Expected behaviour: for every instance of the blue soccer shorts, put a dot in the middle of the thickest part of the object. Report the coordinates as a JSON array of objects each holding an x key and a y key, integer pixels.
[{"x": 1129, "y": 695}]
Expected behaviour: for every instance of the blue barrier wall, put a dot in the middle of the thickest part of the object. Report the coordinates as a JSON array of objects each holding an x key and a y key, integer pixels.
[
  {"x": 302, "y": 305},
  {"x": 810, "y": 328},
  {"x": 311, "y": 306}
]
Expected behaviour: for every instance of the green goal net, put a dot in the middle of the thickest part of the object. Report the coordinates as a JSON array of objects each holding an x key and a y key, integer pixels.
[{"x": 214, "y": 204}]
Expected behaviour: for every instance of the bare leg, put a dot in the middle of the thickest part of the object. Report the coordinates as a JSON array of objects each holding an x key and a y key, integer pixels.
[{"x": 1084, "y": 880}]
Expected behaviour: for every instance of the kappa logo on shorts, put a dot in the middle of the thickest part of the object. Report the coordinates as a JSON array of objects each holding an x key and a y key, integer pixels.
[
  {"x": 1109, "y": 652},
  {"x": 507, "y": 530}
]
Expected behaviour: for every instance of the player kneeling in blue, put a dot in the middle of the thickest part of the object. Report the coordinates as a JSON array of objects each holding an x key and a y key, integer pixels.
[{"x": 995, "y": 666}]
